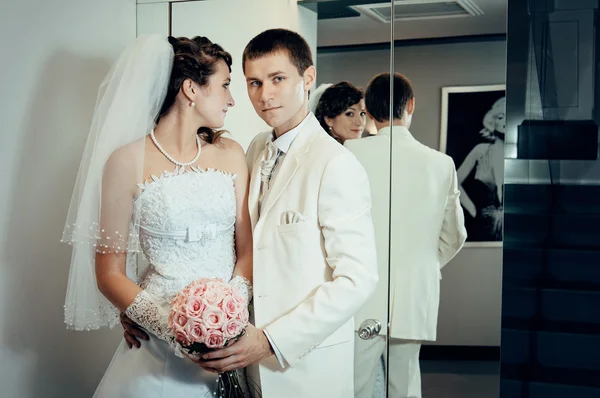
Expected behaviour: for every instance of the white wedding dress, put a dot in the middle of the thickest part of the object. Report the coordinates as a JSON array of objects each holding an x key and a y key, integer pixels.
[{"x": 187, "y": 220}]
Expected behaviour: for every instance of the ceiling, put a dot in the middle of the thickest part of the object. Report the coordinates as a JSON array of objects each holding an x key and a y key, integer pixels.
[{"x": 340, "y": 25}]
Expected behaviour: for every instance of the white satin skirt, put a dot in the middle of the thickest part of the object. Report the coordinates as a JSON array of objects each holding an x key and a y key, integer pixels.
[{"x": 154, "y": 371}]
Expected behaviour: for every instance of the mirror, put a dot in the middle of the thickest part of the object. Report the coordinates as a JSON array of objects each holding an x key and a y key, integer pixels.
[
  {"x": 454, "y": 55},
  {"x": 354, "y": 48}
]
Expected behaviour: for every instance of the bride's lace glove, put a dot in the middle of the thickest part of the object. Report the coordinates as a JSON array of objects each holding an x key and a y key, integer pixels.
[
  {"x": 243, "y": 285},
  {"x": 147, "y": 311}
]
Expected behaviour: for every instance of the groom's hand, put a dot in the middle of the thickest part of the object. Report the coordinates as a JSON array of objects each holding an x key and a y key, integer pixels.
[
  {"x": 132, "y": 332},
  {"x": 249, "y": 349}
]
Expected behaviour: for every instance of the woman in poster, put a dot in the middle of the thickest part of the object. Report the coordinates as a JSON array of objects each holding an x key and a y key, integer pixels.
[{"x": 485, "y": 163}]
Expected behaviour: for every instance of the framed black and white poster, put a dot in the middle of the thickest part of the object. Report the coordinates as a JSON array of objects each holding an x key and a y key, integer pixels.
[{"x": 472, "y": 133}]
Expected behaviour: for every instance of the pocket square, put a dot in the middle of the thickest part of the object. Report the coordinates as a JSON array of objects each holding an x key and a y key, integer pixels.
[{"x": 291, "y": 217}]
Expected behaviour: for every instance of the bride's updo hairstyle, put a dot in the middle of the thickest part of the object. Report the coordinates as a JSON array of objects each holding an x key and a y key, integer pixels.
[{"x": 194, "y": 59}]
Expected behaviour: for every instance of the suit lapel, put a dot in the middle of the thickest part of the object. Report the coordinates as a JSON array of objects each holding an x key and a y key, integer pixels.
[
  {"x": 290, "y": 163},
  {"x": 254, "y": 190},
  {"x": 282, "y": 179}
]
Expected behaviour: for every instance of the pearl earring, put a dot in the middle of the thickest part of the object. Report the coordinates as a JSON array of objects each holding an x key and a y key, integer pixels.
[{"x": 192, "y": 104}]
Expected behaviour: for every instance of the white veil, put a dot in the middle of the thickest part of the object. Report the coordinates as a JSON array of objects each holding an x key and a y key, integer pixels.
[
  {"x": 315, "y": 96},
  {"x": 101, "y": 216}
]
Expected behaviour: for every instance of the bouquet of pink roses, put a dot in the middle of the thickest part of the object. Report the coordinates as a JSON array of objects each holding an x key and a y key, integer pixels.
[{"x": 209, "y": 314}]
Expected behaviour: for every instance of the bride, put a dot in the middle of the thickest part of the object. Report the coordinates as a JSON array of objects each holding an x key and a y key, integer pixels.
[{"x": 157, "y": 178}]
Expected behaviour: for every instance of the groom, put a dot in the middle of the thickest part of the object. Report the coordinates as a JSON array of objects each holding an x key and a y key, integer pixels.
[{"x": 314, "y": 247}]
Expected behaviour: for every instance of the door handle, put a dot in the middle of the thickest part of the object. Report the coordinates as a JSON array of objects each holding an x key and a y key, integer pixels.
[{"x": 369, "y": 329}]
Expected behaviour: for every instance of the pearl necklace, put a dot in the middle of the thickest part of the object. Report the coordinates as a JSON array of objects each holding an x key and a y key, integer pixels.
[{"x": 182, "y": 164}]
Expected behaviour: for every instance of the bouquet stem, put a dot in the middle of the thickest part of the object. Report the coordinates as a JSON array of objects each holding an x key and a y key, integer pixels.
[{"x": 228, "y": 386}]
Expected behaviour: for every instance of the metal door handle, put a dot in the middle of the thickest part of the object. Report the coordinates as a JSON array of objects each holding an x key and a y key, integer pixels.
[{"x": 369, "y": 329}]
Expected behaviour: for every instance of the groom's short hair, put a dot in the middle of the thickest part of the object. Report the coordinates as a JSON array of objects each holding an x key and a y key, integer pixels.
[
  {"x": 377, "y": 96},
  {"x": 280, "y": 40}
]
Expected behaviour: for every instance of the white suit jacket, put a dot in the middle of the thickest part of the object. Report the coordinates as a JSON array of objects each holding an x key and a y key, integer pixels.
[
  {"x": 426, "y": 233},
  {"x": 311, "y": 277},
  {"x": 373, "y": 153}
]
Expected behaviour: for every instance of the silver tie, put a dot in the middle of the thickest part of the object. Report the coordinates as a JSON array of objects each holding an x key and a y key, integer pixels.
[{"x": 271, "y": 154}]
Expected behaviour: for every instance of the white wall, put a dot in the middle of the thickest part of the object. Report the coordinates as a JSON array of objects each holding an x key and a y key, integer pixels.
[
  {"x": 471, "y": 288},
  {"x": 54, "y": 55}
]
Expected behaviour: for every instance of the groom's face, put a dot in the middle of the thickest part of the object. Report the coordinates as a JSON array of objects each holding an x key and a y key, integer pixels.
[{"x": 277, "y": 90}]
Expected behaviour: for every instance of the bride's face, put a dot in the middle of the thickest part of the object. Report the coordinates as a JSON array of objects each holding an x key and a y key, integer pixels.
[
  {"x": 500, "y": 123},
  {"x": 350, "y": 124},
  {"x": 215, "y": 98}
]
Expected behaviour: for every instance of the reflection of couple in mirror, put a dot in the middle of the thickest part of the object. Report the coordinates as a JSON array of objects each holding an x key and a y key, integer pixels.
[
  {"x": 427, "y": 228},
  {"x": 286, "y": 226},
  {"x": 485, "y": 162}
]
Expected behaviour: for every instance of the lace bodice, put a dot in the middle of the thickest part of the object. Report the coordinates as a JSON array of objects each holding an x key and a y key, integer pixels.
[{"x": 186, "y": 228}]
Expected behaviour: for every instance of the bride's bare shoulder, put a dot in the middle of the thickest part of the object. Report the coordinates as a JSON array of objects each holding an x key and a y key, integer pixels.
[
  {"x": 229, "y": 154},
  {"x": 229, "y": 144},
  {"x": 129, "y": 156},
  {"x": 230, "y": 148}
]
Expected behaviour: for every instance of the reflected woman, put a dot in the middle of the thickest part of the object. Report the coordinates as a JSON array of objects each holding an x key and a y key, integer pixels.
[{"x": 341, "y": 110}]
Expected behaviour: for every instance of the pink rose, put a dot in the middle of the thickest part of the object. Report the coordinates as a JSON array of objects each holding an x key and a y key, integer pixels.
[
  {"x": 230, "y": 307},
  {"x": 220, "y": 285},
  {"x": 179, "y": 319},
  {"x": 174, "y": 300},
  {"x": 213, "y": 318},
  {"x": 232, "y": 329},
  {"x": 215, "y": 339},
  {"x": 209, "y": 283},
  {"x": 237, "y": 296},
  {"x": 227, "y": 289},
  {"x": 181, "y": 336},
  {"x": 195, "y": 331},
  {"x": 195, "y": 307},
  {"x": 198, "y": 289},
  {"x": 178, "y": 301},
  {"x": 213, "y": 296},
  {"x": 243, "y": 316}
]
